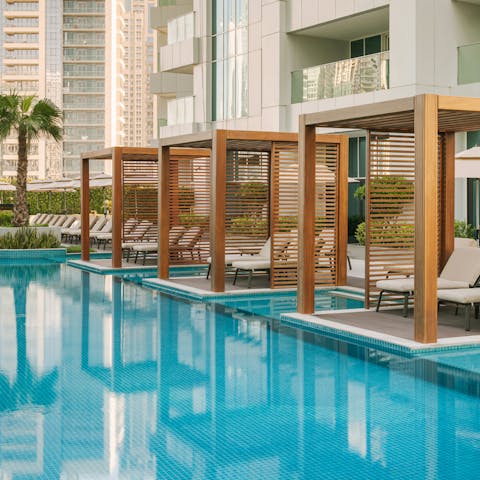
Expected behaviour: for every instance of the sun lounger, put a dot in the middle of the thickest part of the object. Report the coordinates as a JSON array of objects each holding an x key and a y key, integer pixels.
[
  {"x": 187, "y": 244},
  {"x": 462, "y": 270},
  {"x": 469, "y": 297},
  {"x": 256, "y": 263}
]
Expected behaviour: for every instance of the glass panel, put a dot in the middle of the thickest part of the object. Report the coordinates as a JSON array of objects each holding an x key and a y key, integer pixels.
[
  {"x": 218, "y": 12},
  {"x": 356, "y": 48},
  {"x": 353, "y": 157},
  {"x": 242, "y": 41},
  {"x": 242, "y": 86},
  {"x": 356, "y": 75},
  {"x": 219, "y": 90},
  {"x": 230, "y": 87},
  {"x": 373, "y": 44},
  {"x": 362, "y": 156},
  {"x": 469, "y": 64},
  {"x": 473, "y": 139},
  {"x": 242, "y": 12}
]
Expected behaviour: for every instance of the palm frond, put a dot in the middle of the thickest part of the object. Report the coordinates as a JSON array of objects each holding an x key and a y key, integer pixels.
[
  {"x": 9, "y": 114},
  {"x": 46, "y": 118}
]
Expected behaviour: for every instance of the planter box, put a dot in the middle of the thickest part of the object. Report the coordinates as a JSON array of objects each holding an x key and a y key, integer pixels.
[
  {"x": 44, "y": 254},
  {"x": 57, "y": 231}
]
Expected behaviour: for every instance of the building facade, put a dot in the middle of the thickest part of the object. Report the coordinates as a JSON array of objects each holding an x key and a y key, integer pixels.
[
  {"x": 138, "y": 67},
  {"x": 70, "y": 51},
  {"x": 258, "y": 65}
]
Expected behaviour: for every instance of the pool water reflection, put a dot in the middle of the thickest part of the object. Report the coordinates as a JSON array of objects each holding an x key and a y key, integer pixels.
[{"x": 104, "y": 379}]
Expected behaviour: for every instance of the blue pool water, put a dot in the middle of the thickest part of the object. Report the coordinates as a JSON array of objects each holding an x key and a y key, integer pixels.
[
  {"x": 273, "y": 305},
  {"x": 101, "y": 378}
]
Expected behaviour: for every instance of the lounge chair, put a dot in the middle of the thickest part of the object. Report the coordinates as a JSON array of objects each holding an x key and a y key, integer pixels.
[
  {"x": 107, "y": 228},
  {"x": 187, "y": 244},
  {"x": 468, "y": 297},
  {"x": 256, "y": 263},
  {"x": 106, "y": 237},
  {"x": 462, "y": 270},
  {"x": 136, "y": 236},
  {"x": 233, "y": 257},
  {"x": 152, "y": 247}
]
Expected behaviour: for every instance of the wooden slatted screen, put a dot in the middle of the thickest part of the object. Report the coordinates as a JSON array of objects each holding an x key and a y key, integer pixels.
[
  {"x": 247, "y": 215},
  {"x": 284, "y": 203},
  {"x": 140, "y": 199},
  {"x": 189, "y": 193},
  {"x": 390, "y": 213},
  {"x": 285, "y": 197},
  {"x": 326, "y": 218}
]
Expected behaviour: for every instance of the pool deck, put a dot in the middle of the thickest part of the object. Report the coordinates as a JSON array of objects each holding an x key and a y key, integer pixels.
[{"x": 385, "y": 329}]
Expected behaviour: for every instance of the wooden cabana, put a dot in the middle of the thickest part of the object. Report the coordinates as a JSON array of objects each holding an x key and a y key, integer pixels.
[
  {"x": 134, "y": 192},
  {"x": 410, "y": 193},
  {"x": 249, "y": 191}
]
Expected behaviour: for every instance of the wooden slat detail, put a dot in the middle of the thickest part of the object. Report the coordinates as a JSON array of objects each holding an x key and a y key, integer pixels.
[
  {"x": 390, "y": 210},
  {"x": 284, "y": 214},
  {"x": 285, "y": 203},
  {"x": 189, "y": 194},
  {"x": 247, "y": 214},
  {"x": 140, "y": 199},
  {"x": 327, "y": 158}
]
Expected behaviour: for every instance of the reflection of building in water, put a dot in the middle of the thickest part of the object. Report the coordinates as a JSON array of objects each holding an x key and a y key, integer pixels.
[
  {"x": 119, "y": 351},
  {"x": 30, "y": 354}
]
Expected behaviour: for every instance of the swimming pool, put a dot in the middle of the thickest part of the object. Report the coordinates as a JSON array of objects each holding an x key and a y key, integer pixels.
[{"x": 101, "y": 378}]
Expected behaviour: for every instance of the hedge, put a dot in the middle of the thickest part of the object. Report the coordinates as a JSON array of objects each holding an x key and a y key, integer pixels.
[{"x": 55, "y": 202}]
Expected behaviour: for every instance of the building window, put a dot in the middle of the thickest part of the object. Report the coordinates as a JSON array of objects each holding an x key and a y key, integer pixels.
[
  {"x": 369, "y": 45},
  {"x": 229, "y": 59}
]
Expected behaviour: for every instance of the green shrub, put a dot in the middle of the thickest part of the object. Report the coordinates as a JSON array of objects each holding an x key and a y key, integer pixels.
[
  {"x": 256, "y": 190},
  {"x": 385, "y": 235},
  {"x": 353, "y": 223},
  {"x": 25, "y": 238},
  {"x": 6, "y": 217},
  {"x": 464, "y": 229},
  {"x": 186, "y": 199},
  {"x": 192, "y": 220},
  {"x": 249, "y": 225},
  {"x": 360, "y": 233},
  {"x": 286, "y": 224},
  {"x": 55, "y": 202}
]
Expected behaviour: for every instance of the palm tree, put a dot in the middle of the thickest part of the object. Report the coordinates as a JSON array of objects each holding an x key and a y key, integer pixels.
[{"x": 29, "y": 117}]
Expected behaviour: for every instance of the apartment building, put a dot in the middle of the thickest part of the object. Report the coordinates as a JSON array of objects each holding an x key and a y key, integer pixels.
[
  {"x": 70, "y": 51},
  {"x": 138, "y": 67},
  {"x": 258, "y": 65}
]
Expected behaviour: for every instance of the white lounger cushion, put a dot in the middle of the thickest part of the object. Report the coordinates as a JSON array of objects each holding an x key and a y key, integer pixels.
[
  {"x": 460, "y": 295},
  {"x": 231, "y": 257},
  {"x": 462, "y": 270},
  {"x": 145, "y": 247},
  {"x": 407, "y": 284},
  {"x": 257, "y": 264}
]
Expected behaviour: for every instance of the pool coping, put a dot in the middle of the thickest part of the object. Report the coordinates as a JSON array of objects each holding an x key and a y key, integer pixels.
[
  {"x": 104, "y": 270},
  {"x": 378, "y": 340}
]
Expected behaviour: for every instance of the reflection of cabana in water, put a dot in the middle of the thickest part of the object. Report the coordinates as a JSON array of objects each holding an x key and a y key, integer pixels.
[
  {"x": 134, "y": 195},
  {"x": 410, "y": 193},
  {"x": 252, "y": 182}
]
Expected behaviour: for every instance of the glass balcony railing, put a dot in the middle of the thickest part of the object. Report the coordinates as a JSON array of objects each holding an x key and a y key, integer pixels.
[
  {"x": 181, "y": 28},
  {"x": 346, "y": 77},
  {"x": 468, "y": 64},
  {"x": 180, "y": 111}
]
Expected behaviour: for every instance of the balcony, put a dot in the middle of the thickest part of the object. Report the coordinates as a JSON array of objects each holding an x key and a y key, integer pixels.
[
  {"x": 180, "y": 111},
  {"x": 168, "y": 84},
  {"x": 182, "y": 51},
  {"x": 468, "y": 65},
  {"x": 369, "y": 73},
  {"x": 160, "y": 16}
]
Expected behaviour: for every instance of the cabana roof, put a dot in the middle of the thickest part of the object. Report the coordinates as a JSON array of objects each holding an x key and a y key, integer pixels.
[
  {"x": 128, "y": 153},
  {"x": 455, "y": 114},
  {"x": 241, "y": 140}
]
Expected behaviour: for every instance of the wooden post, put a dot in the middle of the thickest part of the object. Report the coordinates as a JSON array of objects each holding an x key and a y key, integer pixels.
[
  {"x": 306, "y": 218},
  {"x": 342, "y": 212},
  {"x": 218, "y": 208},
  {"x": 117, "y": 206},
  {"x": 367, "y": 221},
  {"x": 447, "y": 213},
  {"x": 426, "y": 215},
  {"x": 85, "y": 209},
  {"x": 163, "y": 212}
]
